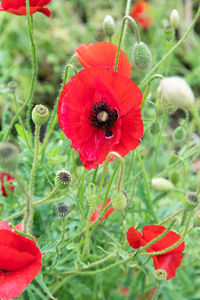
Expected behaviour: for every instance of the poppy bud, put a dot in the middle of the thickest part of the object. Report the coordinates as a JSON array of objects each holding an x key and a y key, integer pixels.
[
  {"x": 196, "y": 220},
  {"x": 191, "y": 200},
  {"x": 12, "y": 85},
  {"x": 40, "y": 114},
  {"x": 168, "y": 30},
  {"x": 155, "y": 128},
  {"x": 118, "y": 201},
  {"x": 8, "y": 156},
  {"x": 62, "y": 180},
  {"x": 175, "y": 91},
  {"x": 109, "y": 25},
  {"x": 141, "y": 56},
  {"x": 173, "y": 159},
  {"x": 174, "y": 18},
  {"x": 174, "y": 177},
  {"x": 162, "y": 185},
  {"x": 160, "y": 275},
  {"x": 62, "y": 211},
  {"x": 179, "y": 134}
]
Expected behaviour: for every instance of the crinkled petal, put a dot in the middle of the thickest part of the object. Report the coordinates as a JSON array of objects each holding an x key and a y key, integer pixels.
[
  {"x": 134, "y": 238},
  {"x": 96, "y": 213}
]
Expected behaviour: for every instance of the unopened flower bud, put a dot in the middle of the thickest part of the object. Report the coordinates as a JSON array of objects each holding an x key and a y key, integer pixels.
[
  {"x": 174, "y": 177},
  {"x": 160, "y": 275},
  {"x": 63, "y": 179},
  {"x": 174, "y": 18},
  {"x": 8, "y": 156},
  {"x": 62, "y": 211},
  {"x": 40, "y": 114},
  {"x": 141, "y": 56},
  {"x": 12, "y": 85},
  {"x": 176, "y": 92},
  {"x": 162, "y": 185},
  {"x": 179, "y": 134},
  {"x": 155, "y": 128},
  {"x": 173, "y": 159},
  {"x": 191, "y": 200},
  {"x": 118, "y": 201},
  {"x": 168, "y": 30},
  {"x": 109, "y": 25}
]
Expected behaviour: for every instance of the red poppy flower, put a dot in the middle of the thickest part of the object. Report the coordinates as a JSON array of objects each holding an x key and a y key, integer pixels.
[
  {"x": 103, "y": 54},
  {"x": 96, "y": 213},
  {"x": 168, "y": 261},
  {"x": 99, "y": 111},
  {"x": 141, "y": 13},
  {"x": 6, "y": 177},
  {"x": 20, "y": 262},
  {"x": 18, "y": 7}
]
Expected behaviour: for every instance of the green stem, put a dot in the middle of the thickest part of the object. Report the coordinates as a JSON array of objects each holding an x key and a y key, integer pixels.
[
  {"x": 157, "y": 292},
  {"x": 147, "y": 187},
  {"x": 171, "y": 217},
  {"x": 171, "y": 50}
]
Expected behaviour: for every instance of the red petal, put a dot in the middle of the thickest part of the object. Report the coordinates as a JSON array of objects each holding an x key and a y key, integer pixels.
[
  {"x": 141, "y": 13},
  {"x": 134, "y": 238},
  {"x": 96, "y": 213},
  {"x": 103, "y": 54},
  {"x": 8, "y": 178}
]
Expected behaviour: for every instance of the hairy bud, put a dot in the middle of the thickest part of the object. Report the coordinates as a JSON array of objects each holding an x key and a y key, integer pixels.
[
  {"x": 141, "y": 56},
  {"x": 174, "y": 18},
  {"x": 118, "y": 201},
  {"x": 155, "y": 128},
  {"x": 162, "y": 185},
  {"x": 8, "y": 156},
  {"x": 174, "y": 177},
  {"x": 179, "y": 134},
  {"x": 109, "y": 25}
]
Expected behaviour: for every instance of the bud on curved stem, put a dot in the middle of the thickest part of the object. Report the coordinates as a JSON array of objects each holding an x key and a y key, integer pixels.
[{"x": 109, "y": 26}]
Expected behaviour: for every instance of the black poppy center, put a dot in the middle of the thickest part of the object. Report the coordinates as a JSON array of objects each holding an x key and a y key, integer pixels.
[{"x": 103, "y": 117}]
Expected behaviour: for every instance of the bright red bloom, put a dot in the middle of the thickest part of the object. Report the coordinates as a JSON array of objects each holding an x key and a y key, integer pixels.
[
  {"x": 18, "y": 7},
  {"x": 168, "y": 261},
  {"x": 9, "y": 179},
  {"x": 20, "y": 262},
  {"x": 103, "y": 54},
  {"x": 99, "y": 111},
  {"x": 96, "y": 213},
  {"x": 141, "y": 13}
]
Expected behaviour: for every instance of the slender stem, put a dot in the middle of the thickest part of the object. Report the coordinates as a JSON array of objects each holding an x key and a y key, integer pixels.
[
  {"x": 171, "y": 50},
  {"x": 157, "y": 292},
  {"x": 171, "y": 217},
  {"x": 82, "y": 188},
  {"x": 111, "y": 181},
  {"x": 147, "y": 187}
]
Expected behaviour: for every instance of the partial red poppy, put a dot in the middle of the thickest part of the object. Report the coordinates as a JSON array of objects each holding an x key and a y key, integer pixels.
[
  {"x": 168, "y": 261},
  {"x": 141, "y": 12},
  {"x": 8, "y": 178},
  {"x": 20, "y": 262},
  {"x": 18, "y": 7},
  {"x": 96, "y": 213},
  {"x": 124, "y": 291},
  {"x": 99, "y": 111},
  {"x": 103, "y": 54}
]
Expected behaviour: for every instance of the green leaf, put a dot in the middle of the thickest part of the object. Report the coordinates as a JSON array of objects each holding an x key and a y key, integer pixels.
[{"x": 40, "y": 281}]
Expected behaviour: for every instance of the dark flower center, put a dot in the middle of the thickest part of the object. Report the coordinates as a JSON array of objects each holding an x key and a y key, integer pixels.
[{"x": 102, "y": 117}]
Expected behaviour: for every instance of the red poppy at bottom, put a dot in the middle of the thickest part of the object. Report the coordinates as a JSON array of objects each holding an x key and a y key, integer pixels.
[
  {"x": 9, "y": 179},
  {"x": 169, "y": 261},
  {"x": 20, "y": 262},
  {"x": 96, "y": 213},
  {"x": 99, "y": 111}
]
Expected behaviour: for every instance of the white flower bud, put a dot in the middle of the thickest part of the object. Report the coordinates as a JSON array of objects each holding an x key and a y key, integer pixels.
[
  {"x": 162, "y": 185},
  {"x": 176, "y": 92},
  {"x": 174, "y": 18},
  {"x": 109, "y": 25}
]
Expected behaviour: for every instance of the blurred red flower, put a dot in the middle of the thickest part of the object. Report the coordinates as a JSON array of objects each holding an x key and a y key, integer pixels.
[
  {"x": 103, "y": 54},
  {"x": 20, "y": 261},
  {"x": 18, "y": 7},
  {"x": 96, "y": 213},
  {"x": 99, "y": 111},
  {"x": 168, "y": 261},
  {"x": 8, "y": 178},
  {"x": 141, "y": 12}
]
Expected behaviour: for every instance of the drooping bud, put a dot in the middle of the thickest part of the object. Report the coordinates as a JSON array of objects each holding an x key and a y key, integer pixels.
[
  {"x": 109, "y": 26},
  {"x": 62, "y": 211},
  {"x": 179, "y": 134},
  {"x": 162, "y": 185},
  {"x": 12, "y": 85},
  {"x": 174, "y": 177},
  {"x": 63, "y": 179},
  {"x": 40, "y": 114},
  {"x": 175, "y": 92},
  {"x": 8, "y": 156},
  {"x": 174, "y": 18},
  {"x": 191, "y": 200},
  {"x": 155, "y": 128},
  {"x": 141, "y": 56},
  {"x": 160, "y": 275},
  {"x": 118, "y": 201}
]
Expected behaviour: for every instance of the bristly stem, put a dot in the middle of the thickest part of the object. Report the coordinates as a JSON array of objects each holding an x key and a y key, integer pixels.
[{"x": 157, "y": 292}]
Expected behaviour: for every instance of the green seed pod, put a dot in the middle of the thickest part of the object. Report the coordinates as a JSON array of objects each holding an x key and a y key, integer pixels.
[
  {"x": 155, "y": 128},
  {"x": 63, "y": 179},
  {"x": 109, "y": 26},
  {"x": 191, "y": 200},
  {"x": 62, "y": 211},
  {"x": 40, "y": 114},
  {"x": 141, "y": 56},
  {"x": 160, "y": 275},
  {"x": 174, "y": 18},
  {"x": 179, "y": 134},
  {"x": 118, "y": 201},
  {"x": 162, "y": 185},
  {"x": 8, "y": 156},
  {"x": 174, "y": 177}
]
